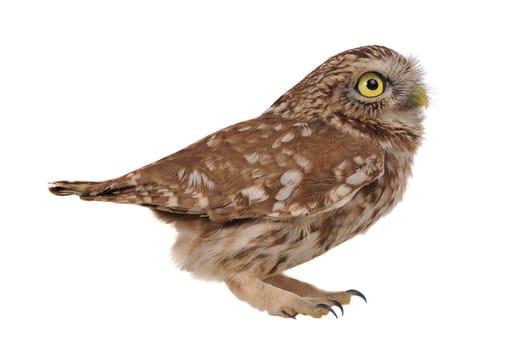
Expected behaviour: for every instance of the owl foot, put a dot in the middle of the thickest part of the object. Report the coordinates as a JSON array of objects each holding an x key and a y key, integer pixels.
[
  {"x": 283, "y": 296},
  {"x": 311, "y": 307},
  {"x": 304, "y": 289}
]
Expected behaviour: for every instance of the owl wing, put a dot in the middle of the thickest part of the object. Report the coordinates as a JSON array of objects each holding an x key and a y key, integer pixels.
[{"x": 265, "y": 167}]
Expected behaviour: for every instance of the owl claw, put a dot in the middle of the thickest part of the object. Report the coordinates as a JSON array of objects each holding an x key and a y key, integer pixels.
[
  {"x": 288, "y": 315},
  {"x": 326, "y": 307},
  {"x": 337, "y": 304},
  {"x": 356, "y": 293}
]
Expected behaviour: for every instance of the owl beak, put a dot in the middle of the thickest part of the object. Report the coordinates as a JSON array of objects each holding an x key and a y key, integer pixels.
[{"x": 419, "y": 96}]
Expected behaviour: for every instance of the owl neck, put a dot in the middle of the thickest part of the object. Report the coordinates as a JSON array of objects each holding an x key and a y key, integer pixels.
[{"x": 392, "y": 134}]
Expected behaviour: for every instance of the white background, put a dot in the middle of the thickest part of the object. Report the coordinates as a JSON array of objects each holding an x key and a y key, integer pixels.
[{"x": 90, "y": 90}]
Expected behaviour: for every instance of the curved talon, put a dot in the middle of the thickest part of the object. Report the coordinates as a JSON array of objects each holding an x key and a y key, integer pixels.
[
  {"x": 288, "y": 315},
  {"x": 324, "y": 306},
  {"x": 337, "y": 304},
  {"x": 357, "y": 293}
]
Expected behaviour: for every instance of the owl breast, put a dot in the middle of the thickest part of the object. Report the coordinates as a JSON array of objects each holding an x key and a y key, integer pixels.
[{"x": 371, "y": 202}]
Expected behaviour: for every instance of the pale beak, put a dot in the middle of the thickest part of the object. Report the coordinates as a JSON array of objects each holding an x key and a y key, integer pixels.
[{"x": 419, "y": 96}]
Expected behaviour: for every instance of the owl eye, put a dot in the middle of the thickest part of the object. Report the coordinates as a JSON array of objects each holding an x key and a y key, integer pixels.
[{"x": 370, "y": 84}]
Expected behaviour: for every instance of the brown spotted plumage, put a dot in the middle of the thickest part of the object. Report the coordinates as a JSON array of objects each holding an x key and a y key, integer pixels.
[{"x": 323, "y": 163}]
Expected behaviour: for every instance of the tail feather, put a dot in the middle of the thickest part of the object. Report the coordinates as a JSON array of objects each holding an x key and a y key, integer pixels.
[{"x": 82, "y": 189}]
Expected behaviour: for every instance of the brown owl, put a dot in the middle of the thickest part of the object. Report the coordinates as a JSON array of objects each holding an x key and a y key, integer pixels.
[{"x": 323, "y": 163}]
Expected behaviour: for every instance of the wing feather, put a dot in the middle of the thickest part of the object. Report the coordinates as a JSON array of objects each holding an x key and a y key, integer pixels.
[{"x": 265, "y": 167}]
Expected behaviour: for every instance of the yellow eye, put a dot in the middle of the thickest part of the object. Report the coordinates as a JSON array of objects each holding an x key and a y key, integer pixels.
[{"x": 370, "y": 84}]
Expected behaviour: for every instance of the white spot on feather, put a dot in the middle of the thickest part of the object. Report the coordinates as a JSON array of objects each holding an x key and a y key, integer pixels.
[
  {"x": 265, "y": 159},
  {"x": 251, "y": 158},
  {"x": 359, "y": 160},
  {"x": 210, "y": 164},
  {"x": 133, "y": 178},
  {"x": 244, "y": 128},
  {"x": 257, "y": 173},
  {"x": 284, "y": 193},
  {"x": 339, "y": 194},
  {"x": 197, "y": 178},
  {"x": 357, "y": 178},
  {"x": 298, "y": 210},
  {"x": 203, "y": 202},
  {"x": 303, "y": 162},
  {"x": 288, "y": 151},
  {"x": 254, "y": 194},
  {"x": 288, "y": 137},
  {"x": 172, "y": 202},
  {"x": 181, "y": 174},
  {"x": 343, "y": 190},
  {"x": 280, "y": 108},
  {"x": 339, "y": 170},
  {"x": 290, "y": 179},
  {"x": 278, "y": 206},
  {"x": 284, "y": 139},
  {"x": 306, "y": 131},
  {"x": 213, "y": 141}
]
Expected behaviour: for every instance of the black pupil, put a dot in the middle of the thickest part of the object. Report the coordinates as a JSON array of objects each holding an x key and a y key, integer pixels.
[{"x": 372, "y": 84}]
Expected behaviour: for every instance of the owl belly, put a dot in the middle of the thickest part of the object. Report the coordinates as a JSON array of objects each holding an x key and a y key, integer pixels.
[{"x": 219, "y": 251}]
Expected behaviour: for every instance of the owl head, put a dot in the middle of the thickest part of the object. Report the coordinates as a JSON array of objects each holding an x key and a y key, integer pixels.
[{"x": 373, "y": 85}]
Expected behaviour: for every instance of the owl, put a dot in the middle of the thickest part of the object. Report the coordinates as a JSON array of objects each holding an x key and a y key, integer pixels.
[{"x": 322, "y": 164}]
